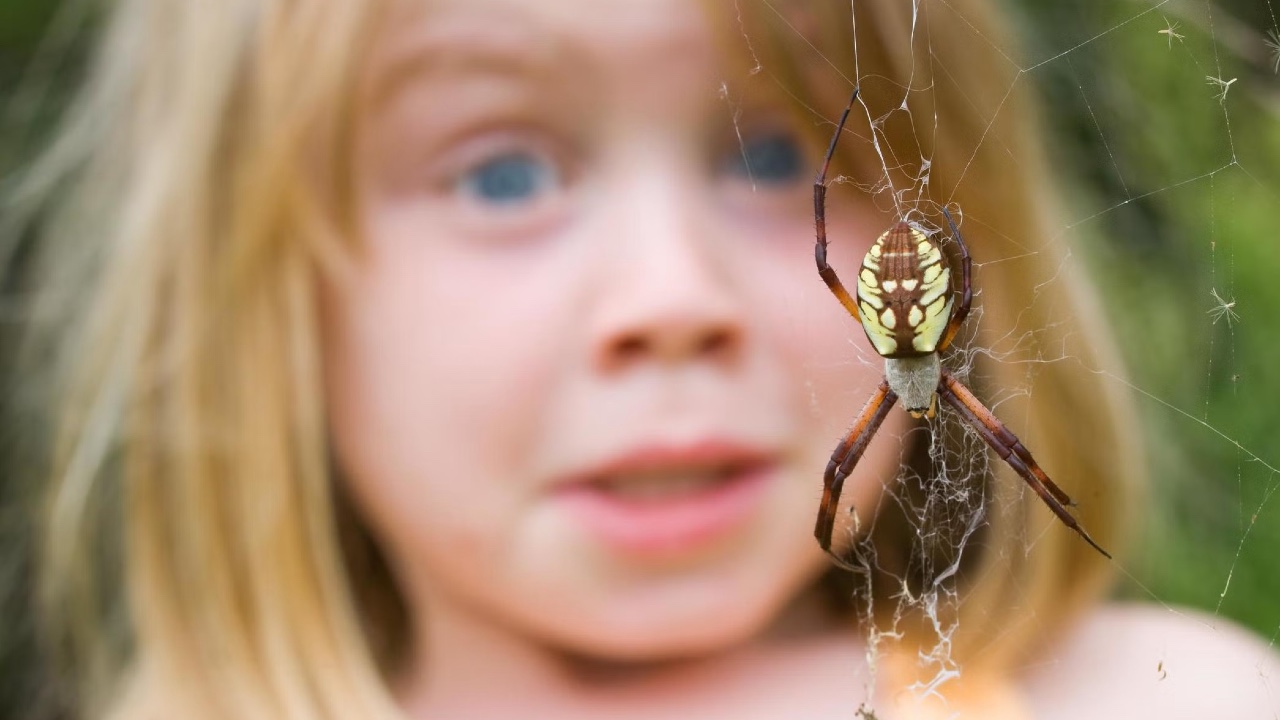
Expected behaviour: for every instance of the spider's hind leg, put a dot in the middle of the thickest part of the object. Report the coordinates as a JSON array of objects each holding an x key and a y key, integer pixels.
[
  {"x": 1012, "y": 451},
  {"x": 846, "y": 456}
]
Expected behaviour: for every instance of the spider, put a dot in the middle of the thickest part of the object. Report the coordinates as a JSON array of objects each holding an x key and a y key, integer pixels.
[{"x": 905, "y": 304}]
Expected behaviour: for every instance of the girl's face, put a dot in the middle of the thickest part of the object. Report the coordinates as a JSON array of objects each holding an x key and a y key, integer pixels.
[{"x": 585, "y": 378}]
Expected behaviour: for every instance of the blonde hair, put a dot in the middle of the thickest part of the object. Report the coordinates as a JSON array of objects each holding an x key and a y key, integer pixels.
[
  {"x": 200, "y": 191},
  {"x": 195, "y": 197}
]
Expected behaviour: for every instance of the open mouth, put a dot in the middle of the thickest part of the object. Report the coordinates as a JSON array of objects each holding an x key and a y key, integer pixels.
[
  {"x": 656, "y": 486},
  {"x": 664, "y": 503}
]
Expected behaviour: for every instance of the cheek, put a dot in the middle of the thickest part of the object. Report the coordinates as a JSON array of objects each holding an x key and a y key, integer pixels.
[
  {"x": 435, "y": 382},
  {"x": 388, "y": 416},
  {"x": 823, "y": 348}
]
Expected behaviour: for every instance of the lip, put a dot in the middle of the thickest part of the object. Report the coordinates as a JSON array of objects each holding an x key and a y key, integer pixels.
[{"x": 675, "y": 524}]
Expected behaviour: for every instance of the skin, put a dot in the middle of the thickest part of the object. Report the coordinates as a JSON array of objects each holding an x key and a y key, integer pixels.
[{"x": 638, "y": 290}]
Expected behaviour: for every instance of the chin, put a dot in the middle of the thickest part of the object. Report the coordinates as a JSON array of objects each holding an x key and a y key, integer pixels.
[
  {"x": 680, "y": 622},
  {"x": 665, "y": 641}
]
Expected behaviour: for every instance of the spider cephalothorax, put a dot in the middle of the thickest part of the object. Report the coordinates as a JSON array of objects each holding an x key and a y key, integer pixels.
[{"x": 905, "y": 303}]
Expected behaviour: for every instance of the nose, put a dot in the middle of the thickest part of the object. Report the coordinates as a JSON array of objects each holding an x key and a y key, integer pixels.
[
  {"x": 668, "y": 296},
  {"x": 672, "y": 338}
]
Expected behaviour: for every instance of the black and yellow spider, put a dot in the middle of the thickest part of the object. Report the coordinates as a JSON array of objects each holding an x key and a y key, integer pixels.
[{"x": 905, "y": 304}]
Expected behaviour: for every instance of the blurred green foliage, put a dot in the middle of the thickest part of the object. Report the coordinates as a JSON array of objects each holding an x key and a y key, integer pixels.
[
  {"x": 22, "y": 24},
  {"x": 42, "y": 46},
  {"x": 1177, "y": 193},
  {"x": 38, "y": 57},
  {"x": 1186, "y": 191}
]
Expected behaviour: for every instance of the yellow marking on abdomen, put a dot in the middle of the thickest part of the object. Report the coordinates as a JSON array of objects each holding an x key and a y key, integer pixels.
[
  {"x": 929, "y": 332},
  {"x": 882, "y": 339},
  {"x": 888, "y": 318},
  {"x": 914, "y": 316},
  {"x": 930, "y": 257},
  {"x": 935, "y": 289},
  {"x": 868, "y": 294}
]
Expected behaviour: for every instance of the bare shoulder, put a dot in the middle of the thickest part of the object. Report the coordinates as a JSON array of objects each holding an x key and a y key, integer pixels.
[{"x": 1130, "y": 660}]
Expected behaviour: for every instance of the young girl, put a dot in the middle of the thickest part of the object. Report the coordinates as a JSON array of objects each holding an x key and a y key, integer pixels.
[{"x": 468, "y": 359}]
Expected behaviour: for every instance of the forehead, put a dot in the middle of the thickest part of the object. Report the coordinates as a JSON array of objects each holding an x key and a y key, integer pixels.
[{"x": 540, "y": 37}]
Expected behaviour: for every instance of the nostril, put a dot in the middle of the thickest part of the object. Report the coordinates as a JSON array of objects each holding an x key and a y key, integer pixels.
[
  {"x": 715, "y": 343},
  {"x": 630, "y": 347}
]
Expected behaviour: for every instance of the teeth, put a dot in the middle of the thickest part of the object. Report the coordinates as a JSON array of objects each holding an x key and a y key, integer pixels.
[{"x": 654, "y": 485}]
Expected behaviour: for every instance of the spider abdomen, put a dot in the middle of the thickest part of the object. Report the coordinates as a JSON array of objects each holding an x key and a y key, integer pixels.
[{"x": 904, "y": 293}]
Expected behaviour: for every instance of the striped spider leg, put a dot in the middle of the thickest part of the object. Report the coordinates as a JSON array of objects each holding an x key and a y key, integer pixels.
[
  {"x": 1012, "y": 451},
  {"x": 847, "y": 454},
  {"x": 905, "y": 303}
]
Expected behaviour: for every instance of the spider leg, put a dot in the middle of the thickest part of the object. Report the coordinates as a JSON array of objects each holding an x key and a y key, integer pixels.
[
  {"x": 1005, "y": 437},
  {"x": 846, "y": 456},
  {"x": 820, "y": 220},
  {"x": 966, "y": 288},
  {"x": 1012, "y": 451}
]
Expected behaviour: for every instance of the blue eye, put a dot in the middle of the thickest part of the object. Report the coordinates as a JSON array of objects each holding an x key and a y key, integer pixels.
[
  {"x": 508, "y": 179},
  {"x": 771, "y": 159}
]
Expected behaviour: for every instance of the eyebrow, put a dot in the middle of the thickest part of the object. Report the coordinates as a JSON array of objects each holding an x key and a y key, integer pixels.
[{"x": 468, "y": 49}]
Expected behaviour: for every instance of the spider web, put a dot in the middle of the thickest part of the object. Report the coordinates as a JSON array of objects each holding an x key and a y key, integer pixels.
[{"x": 1160, "y": 117}]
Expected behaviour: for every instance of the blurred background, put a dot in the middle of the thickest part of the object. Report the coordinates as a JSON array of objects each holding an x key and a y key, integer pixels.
[{"x": 1164, "y": 129}]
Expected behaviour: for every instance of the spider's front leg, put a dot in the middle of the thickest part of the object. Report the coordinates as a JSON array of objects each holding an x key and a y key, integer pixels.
[
  {"x": 825, "y": 270},
  {"x": 846, "y": 456},
  {"x": 1011, "y": 450}
]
